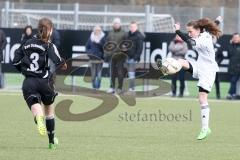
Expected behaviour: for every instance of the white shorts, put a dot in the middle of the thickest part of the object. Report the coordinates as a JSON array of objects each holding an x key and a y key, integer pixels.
[{"x": 205, "y": 78}]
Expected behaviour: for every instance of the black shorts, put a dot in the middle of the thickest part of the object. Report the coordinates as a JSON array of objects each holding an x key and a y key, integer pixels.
[
  {"x": 38, "y": 90},
  {"x": 200, "y": 89}
]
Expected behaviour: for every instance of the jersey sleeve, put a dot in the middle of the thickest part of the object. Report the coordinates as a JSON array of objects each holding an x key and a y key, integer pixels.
[
  {"x": 20, "y": 59},
  {"x": 54, "y": 55},
  {"x": 190, "y": 42},
  {"x": 18, "y": 55},
  {"x": 17, "y": 60}
]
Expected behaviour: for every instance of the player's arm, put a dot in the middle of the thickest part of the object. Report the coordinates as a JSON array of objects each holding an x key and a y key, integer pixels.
[
  {"x": 218, "y": 20},
  {"x": 17, "y": 60},
  {"x": 20, "y": 58},
  {"x": 55, "y": 57},
  {"x": 190, "y": 42}
]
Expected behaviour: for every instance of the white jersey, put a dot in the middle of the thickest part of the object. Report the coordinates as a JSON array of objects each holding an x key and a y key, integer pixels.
[
  {"x": 205, "y": 68},
  {"x": 206, "y": 53}
]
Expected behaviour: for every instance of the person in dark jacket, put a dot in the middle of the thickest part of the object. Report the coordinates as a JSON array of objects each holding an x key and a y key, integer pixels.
[
  {"x": 134, "y": 53},
  {"x": 56, "y": 40},
  {"x": 234, "y": 64},
  {"x": 116, "y": 57},
  {"x": 219, "y": 59},
  {"x": 27, "y": 34},
  {"x": 94, "y": 48},
  {"x": 3, "y": 43},
  {"x": 178, "y": 48}
]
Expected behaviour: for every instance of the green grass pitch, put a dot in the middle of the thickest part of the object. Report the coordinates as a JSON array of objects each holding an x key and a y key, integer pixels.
[{"x": 110, "y": 137}]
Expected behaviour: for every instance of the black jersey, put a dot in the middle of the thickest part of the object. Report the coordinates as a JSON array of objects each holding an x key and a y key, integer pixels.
[{"x": 31, "y": 58}]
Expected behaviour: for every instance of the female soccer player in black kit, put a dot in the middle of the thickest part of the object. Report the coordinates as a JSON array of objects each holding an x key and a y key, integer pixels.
[{"x": 31, "y": 59}]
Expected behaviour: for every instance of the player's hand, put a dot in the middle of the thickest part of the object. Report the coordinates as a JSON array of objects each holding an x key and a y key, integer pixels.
[
  {"x": 64, "y": 66},
  {"x": 177, "y": 26},
  {"x": 220, "y": 19}
]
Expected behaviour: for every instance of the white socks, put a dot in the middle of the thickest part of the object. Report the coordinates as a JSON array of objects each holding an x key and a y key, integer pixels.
[{"x": 205, "y": 116}]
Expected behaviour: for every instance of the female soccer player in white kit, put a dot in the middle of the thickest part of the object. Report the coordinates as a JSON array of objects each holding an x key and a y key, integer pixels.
[{"x": 200, "y": 36}]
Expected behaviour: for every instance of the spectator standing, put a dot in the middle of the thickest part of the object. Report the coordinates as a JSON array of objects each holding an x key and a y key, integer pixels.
[
  {"x": 116, "y": 58},
  {"x": 56, "y": 40},
  {"x": 178, "y": 48},
  {"x": 3, "y": 43},
  {"x": 27, "y": 34},
  {"x": 134, "y": 53},
  {"x": 234, "y": 64},
  {"x": 94, "y": 48},
  {"x": 219, "y": 58}
]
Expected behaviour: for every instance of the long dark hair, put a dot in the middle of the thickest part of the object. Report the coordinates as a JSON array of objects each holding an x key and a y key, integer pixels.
[
  {"x": 45, "y": 27},
  {"x": 206, "y": 24},
  {"x": 25, "y": 29}
]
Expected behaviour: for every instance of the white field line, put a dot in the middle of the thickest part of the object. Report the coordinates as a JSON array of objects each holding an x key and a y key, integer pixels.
[{"x": 19, "y": 93}]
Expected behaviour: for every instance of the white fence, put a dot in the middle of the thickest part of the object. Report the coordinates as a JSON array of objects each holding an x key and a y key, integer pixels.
[{"x": 84, "y": 17}]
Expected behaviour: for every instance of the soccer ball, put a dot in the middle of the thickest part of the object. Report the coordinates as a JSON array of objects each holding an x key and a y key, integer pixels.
[{"x": 171, "y": 66}]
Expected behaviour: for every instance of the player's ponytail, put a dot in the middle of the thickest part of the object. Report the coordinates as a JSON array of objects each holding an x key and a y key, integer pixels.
[
  {"x": 207, "y": 25},
  {"x": 45, "y": 27}
]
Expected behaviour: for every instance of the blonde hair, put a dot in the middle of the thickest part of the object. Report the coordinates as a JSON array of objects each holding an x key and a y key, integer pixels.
[{"x": 96, "y": 28}]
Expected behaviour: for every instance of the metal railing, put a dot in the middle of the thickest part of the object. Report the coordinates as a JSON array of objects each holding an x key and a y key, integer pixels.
[{"x": 84, "y": 17}]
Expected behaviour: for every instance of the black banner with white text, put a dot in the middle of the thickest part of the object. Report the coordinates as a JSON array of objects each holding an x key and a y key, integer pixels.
[{"x": 73, "y": 45}]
